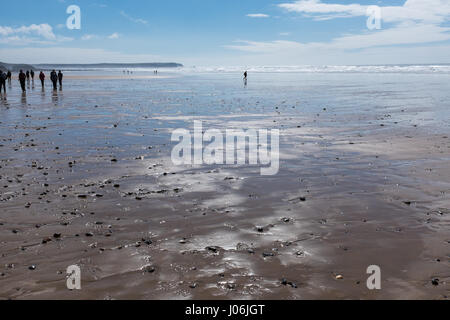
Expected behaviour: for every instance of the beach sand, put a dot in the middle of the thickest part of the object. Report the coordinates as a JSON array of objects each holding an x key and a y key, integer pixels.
[
  {"x": 101, "y": 76},
  {"x": 86, "y": 179}
]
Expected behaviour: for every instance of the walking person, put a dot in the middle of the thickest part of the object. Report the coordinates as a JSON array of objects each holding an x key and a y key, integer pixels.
[
  {"x": 245, "y": 78},
  {"x": 3, "y": 78},
  {"x": 22, "y": 79},
  {"x": 28, "y": 76},
  {"x": 32, "y": 75},
  {"x": 42, "y": 78},
  {"x": 9, "y": 76},
  {"x": 60, "y": 79},
  {"x": 54, "y": 78}
]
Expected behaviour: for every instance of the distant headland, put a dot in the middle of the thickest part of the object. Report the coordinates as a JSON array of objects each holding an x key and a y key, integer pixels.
[{"x": 15, "y": 67}]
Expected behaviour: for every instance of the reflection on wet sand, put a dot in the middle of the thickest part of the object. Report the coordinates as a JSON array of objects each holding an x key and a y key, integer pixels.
[
  {"x": 23, "y": 99},
  {"x": 363, "y": 180}
]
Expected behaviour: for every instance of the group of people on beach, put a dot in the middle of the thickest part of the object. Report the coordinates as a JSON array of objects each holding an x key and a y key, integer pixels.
[{"x": 25, "y": 77}]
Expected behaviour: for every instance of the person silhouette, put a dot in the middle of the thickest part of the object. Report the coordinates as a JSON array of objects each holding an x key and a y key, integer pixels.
[
  {"x": 22, "y": 79},
  {"x": 54, "y": 79},
  {"x": 60, "y": 79},
  {"x": 42, "y": 78},
  {"x": 3, "y": 78}
]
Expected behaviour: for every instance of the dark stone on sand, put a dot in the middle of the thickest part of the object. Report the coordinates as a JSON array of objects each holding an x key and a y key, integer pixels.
[
  {"x": 193, "y": 286},
  {"x": 231, "y": 286},
  {"x": 147, "y": 241},
  {"x": 213, "y": 249},
  {"x": 435, "y": 282},
  {"x": 149, "y": 269},
  {"x": 32, "y": 267},
  {"x": 82, "y": 196},
  {"x": 57, "y": 235},
  {"x": 268, "y": 254},
  {"x": 285, "y": 282},
  {"x": 89, "y": 234}
]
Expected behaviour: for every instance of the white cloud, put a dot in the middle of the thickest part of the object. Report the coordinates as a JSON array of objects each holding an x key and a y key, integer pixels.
[
  {"x": 416, "y": 23},
  {"x": 36, "y": 34},
  {"x": 258, "y": 15},
  {"x": 402, "y": 35},
  {"x": 135, "y": 20},
  {"x": 115, "y": 35},
  {"x": 87, "y": 37},
  {"x": 41, "y": 30},
  {"x": 430, "y": 11}
]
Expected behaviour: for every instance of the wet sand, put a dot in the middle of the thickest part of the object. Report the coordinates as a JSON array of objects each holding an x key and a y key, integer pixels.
[
  {"x": 86, "y": 179},
  {"x": 100, "y": 76}
]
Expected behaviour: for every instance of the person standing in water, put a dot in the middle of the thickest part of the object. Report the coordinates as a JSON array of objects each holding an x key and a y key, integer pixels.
[
  {"x": 22, "y": 79},
  {"x": 3, "y": 78},
  {"x": 9, "y": 75},
  {"x": 42, "y": 78},
  {"x": 54, "y": 78},
  {"x": 28, "y": 76},
  {"x": 60, "y": 79},
  {"x": 245, "y": 78},
  {"x": 32, "y": 75}
]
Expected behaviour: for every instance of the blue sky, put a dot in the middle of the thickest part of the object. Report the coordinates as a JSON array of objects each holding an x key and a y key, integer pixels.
[{"x": 226, "y": 32}]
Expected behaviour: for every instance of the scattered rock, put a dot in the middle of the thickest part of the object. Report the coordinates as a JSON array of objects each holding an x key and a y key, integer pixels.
[
  {"x": 268, "y": 254},
  {"x": 149, "y": 269},
  {"x": 213, "y": 249},
  {"x": 435, "y": 282},
  {"x": 285, "y": 282},
  {"x": 147, "y": 241}
]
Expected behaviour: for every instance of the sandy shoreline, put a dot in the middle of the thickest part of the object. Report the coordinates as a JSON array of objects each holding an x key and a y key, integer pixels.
[
  {"x": 97, "y": 77},
  {"x": 92, "y": 184}
]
